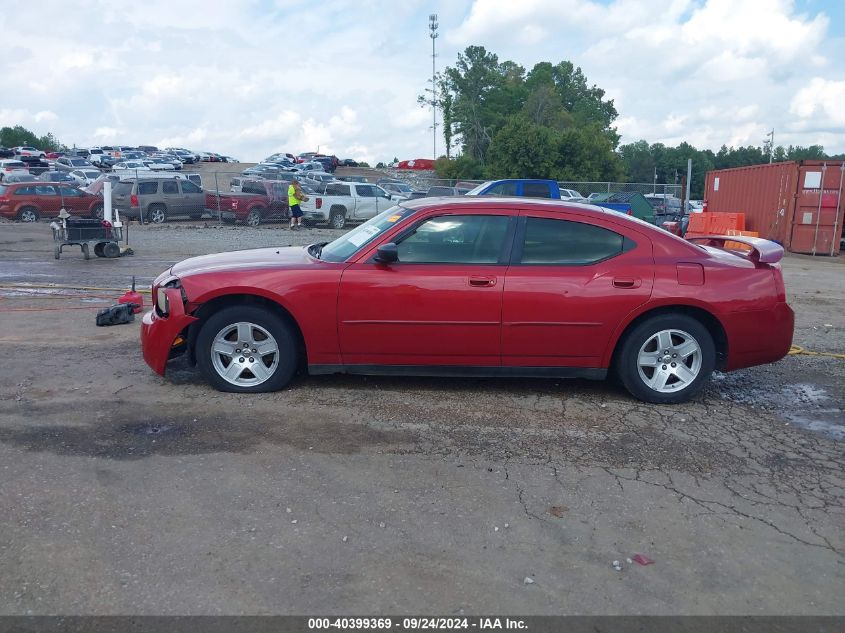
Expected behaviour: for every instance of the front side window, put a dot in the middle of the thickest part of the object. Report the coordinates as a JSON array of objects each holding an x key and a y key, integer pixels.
[
  {"x": 467, "y": 239},
  {"x": 564, "y": 243},
  {"x": 189, "y": 187},
  {"x": 347, "y": 245},
  {"x": 502, "y": 189},
  {"x": 70, "y": 192}
]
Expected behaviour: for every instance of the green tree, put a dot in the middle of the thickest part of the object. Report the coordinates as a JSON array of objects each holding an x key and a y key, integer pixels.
[
  {"x": 19, "y": 135},
  {"x": 523, "y": 149}
]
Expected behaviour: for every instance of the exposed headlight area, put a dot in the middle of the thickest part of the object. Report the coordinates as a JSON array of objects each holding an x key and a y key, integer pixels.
[{"x": 162, "y": 301}]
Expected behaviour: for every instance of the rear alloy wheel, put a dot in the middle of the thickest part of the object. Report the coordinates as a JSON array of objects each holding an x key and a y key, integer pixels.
[
  {"x": 253, "y": 218},
  {"x": 28, "y": 214},
  {"x": 97, "y": 212},
  {"x": 246, "y": 349},
  {"x": 157, "y": 214},
  {"x": 337, "y": 219},
  {"x": 667, "y": 359}
]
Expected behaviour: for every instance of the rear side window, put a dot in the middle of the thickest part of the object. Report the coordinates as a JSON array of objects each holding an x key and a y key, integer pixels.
[
  {"x": 147, "y": 188},
  {"x": 169, "y": 186},
  {"x": 565, "y": 243},
  {"x": 31, "y": 191},
  {"x": 536, "y": 190},
  {"x": 337, "y": 190},
  {"x": 2, "y": 190},
  {"x": 253, "y": 187}
]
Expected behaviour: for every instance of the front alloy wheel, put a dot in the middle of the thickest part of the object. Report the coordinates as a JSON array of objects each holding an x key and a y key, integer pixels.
[{"x": 246, "y": 349}]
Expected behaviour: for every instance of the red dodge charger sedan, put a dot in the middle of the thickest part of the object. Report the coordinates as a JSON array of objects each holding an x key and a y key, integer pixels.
[{"x": 478, "y": 287}]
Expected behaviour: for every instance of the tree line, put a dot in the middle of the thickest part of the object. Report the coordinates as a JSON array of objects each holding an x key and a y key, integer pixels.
[
  {"x": 501, "y": 121},
  {"x": 19, "y": 136}
]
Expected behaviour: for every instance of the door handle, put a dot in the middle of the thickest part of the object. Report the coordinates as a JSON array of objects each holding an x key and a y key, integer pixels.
[
  {"x": 480, "y": 282},
  {"x": 626, "y": 282}
]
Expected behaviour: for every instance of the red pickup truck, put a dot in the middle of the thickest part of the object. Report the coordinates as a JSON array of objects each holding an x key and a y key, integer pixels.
[{"x": 259, "y": 200}]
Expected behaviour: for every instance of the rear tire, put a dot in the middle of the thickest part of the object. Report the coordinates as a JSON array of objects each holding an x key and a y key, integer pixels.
[
  {"x": 253, "y": 218},
  {"x": 666, "y": 359},
  {"x": 28, "y": 214},
  {"x": 337, "y": 219},
  {"x": 224, "y": 360},
  {"x": 98, "y": 212},
  {"x": 157, "y": 214},
  {"x": 98, "y": 249}
]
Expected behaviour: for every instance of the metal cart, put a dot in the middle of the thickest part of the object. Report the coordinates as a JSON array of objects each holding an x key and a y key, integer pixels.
[{"x": 84, "y": 233}]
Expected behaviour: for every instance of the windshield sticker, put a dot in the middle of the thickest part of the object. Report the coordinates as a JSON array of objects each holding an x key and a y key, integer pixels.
[
  {"x": 359, "y": 238},
  {"x": 370, "y": 230}
]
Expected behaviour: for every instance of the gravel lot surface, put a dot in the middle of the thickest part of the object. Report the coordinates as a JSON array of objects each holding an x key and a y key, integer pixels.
[{"x": 126, "y": 493}]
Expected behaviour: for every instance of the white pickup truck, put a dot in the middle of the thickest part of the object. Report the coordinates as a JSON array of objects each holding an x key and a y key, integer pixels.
[{"x": 344, "y": 202}]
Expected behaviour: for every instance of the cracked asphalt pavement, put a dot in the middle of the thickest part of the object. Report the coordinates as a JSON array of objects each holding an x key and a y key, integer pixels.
[{"x": 126, "y": 493}]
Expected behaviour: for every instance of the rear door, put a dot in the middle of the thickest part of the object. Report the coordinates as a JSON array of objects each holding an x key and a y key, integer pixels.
[
  {"x": 572, "y": 280},
  {"x": 46, "y": 198}
]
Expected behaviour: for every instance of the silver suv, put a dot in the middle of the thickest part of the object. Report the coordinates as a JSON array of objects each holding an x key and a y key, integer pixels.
[{"x": 158, "y": 198}]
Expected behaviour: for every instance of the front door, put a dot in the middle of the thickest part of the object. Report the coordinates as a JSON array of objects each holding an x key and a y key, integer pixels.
[
  {"x": 366, "y": 204},
  {"x": 440, "y": 304},
  {"x": 172, "y": 198},
  {"x": 572, "y": 281}
]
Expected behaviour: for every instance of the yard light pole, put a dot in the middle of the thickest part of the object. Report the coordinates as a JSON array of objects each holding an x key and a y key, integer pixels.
[
  {"x": 771, "y": 137},
  {"x": 432, "y": 27}
]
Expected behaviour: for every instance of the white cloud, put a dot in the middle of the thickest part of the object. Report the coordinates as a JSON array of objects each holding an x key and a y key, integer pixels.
[
  {"x": 821, "y": 99},
  {"x": 235, "y": 78}
]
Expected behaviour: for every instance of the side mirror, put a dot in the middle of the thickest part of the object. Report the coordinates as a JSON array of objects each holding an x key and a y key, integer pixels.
[{"x": 387, "y": 253}]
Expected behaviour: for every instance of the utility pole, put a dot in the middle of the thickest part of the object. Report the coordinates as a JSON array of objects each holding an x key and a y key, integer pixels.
[
  {"x": 432, "y": 27},
  {"x": 771, "y": 137}
]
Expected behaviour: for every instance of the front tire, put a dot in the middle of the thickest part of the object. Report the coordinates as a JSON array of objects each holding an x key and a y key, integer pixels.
[
  {"x": 246, "y": 349},
  {"x": 666, "y": 359}
]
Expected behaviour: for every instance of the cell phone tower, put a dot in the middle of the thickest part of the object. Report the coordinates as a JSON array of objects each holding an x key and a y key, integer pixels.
[{"x": 432, "y": 27}]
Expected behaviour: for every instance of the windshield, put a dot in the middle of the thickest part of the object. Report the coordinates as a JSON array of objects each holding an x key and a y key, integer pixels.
[
  {"x": 347, "y": 245},
  {"x": 477, "y": 190}
]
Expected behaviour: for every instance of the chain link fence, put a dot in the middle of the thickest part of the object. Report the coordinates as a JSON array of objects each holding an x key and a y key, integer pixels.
[{"x": 229, "y": 196}]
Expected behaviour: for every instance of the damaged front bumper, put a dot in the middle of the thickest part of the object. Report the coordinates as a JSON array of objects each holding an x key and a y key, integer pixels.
[{"x": 159, "y": 332}]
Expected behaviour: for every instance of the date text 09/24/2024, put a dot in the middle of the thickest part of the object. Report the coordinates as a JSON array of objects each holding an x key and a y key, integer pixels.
[{"x": 416, "y": 623}]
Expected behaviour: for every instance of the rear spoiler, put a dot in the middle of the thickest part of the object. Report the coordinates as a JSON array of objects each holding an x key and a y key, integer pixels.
[{"x": 762, "y": 251}]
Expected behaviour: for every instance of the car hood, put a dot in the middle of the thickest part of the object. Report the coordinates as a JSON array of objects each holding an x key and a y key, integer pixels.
[{"x": 282, "y": 257}]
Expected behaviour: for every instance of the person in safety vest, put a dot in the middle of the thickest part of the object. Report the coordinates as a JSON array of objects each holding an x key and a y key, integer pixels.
[{"x": 295, "y": 197}]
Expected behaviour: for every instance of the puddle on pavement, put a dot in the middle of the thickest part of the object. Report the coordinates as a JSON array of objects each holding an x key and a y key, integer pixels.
[
  {"x": 118, "y": 438},
  {"x": 806, "y": 405}
]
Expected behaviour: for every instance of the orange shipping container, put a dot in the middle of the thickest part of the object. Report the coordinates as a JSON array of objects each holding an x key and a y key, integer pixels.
[{"x": 798, "y": 203}]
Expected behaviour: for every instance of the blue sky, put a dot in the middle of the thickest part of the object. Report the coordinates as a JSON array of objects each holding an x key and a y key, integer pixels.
[{"x": 254, "y": 77}]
